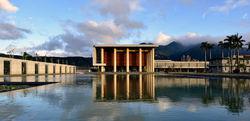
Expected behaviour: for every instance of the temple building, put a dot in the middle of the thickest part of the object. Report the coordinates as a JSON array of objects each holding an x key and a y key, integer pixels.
[{"x": 124, "y": 58}]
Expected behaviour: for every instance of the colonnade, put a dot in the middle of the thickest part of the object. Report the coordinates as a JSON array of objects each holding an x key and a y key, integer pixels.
[
  {"x": 139, "y": 87},
  {"x": 150, "y": 59}
]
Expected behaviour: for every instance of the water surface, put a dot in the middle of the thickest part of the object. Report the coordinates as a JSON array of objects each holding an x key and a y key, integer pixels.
[{"x": 129, "y": 97}]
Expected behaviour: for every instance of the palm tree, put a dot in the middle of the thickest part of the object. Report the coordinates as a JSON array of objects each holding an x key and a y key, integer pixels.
[
  {"x": 248, "y": 48},
  {"x": 210, "y": 47},
  {"x": 238, "y": 44},
  {"x": 205, "y": 46},
  {"x": 222, "y": 45},
  {"x": 229, "y": 45},
  {"x": 234, "y": 42}
]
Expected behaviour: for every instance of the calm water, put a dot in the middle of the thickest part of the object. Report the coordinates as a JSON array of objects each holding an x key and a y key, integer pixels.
[{"x": 129, "y": 97}]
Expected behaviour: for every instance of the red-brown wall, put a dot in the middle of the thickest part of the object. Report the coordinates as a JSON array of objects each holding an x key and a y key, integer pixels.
[{"x": 121, "y": 58}]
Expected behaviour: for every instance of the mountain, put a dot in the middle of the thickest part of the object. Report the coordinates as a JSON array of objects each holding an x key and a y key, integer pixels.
[
  {"x": 175, "y": 51},
  {"x": 170, "y": 51}
]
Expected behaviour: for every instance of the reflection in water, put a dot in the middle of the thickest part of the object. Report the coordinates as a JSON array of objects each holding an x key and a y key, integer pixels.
[
  {"x": 95, "y": 97},
  {"x": 37, "y": 78},
  {"x": 228, "y": 92},
  {"x": 124, "y": 87}
]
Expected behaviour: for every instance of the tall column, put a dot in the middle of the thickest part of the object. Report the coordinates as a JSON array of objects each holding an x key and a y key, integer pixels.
[
  {"x": 94, "y": 55},
  {"x": 115, "y": 67},
  {"x": 153, "y": 60},
  {"x": 147, "y": 57},
  {"x": 140, "y": 85},
  {"x": 140, "y": 60},
  {"x": 94, "y": 89},
  {"x": 115, "y": 85},
  {"x": 127, "y": 81},
  {"x": 102, "y": 84},
  {"x": 127, "y": 60},
  {"x": 153, "y": 78},
  {"x": 102, "y": 60}
]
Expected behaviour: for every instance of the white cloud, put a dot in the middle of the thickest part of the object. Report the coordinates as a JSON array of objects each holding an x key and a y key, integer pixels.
[
  {"x": 164, "y": 104},
  {"x": 7, "y": 6},
  {"x": 59, "y": 53},
  {"x": 120, "y": 11},
  {"x": 229, "y": 5},
  {"x": 79, "y": 37},
  {"x": 186, "y": 39},
  {"x": 118, "y": 7},
  {"x": 245, "y": 16},
  {"x": 163, "y": 39},
  {"x": 102, "y": 32},
  {"x": 12, "y": 32}
]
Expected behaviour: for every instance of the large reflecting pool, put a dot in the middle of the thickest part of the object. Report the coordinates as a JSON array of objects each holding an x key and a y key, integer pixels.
[{"x": 129, "y": 97}]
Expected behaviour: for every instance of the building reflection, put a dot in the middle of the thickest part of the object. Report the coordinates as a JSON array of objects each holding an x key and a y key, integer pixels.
[
  {"x": 34, "y": 79},
  {"x": 124, "y": 87},
  {"x": 232, "y": 93}
]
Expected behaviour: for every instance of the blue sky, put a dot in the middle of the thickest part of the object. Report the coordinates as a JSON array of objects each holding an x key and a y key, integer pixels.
[{"x": 71, "y": 27}]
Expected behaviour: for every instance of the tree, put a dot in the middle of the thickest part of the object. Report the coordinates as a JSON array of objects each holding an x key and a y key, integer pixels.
[
  {"x": 229, "y": 45},
  {"x": 210, "y": 47},
  {"x": 237, "y": 44},
  {"x": 234, "y": 42},
  {"x": 248, "y": 47},
  {"x": 205, "y": 46},
  {"x": 26, "y": 56},
  {"x": 222, "y": 45}
]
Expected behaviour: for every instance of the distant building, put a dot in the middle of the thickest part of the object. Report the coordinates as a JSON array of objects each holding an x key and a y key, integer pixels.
[
  {"x": 223, "y": 65},
  {"x": 180, "y": 66},
  {"x": 124, "y": 58},
  {"x": 18, "y": 67}
]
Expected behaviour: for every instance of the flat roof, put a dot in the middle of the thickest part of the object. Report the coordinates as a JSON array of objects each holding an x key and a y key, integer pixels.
[{"x": 126, "y": 45}]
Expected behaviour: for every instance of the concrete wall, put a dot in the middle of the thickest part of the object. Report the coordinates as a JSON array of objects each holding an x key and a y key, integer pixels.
[
  {"x": 16, "y": 67},
  {"x": 30, "y": 67},
  {"x": 180, "y": 64},
  {"x": 1, "y": 66},
  {"x": 41, "y": 68},
  {"x": 224, "y": 65}
]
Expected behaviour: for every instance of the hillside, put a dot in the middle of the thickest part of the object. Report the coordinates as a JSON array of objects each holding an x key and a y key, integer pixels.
[{"x": 175, "y": 51}]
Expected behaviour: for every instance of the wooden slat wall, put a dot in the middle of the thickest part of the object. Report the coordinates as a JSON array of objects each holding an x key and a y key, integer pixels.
[{"x": 121, "y": 58}]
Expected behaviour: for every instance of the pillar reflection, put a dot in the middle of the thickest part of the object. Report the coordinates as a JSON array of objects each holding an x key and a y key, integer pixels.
[{"x": 124, "y": 87}]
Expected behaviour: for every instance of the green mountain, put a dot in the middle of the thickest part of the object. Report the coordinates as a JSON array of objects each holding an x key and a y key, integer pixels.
[{"x": 175, "y": 51}]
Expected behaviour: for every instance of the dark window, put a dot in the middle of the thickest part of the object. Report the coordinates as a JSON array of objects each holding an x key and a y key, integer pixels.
[
  {"x": 98, "y": 55},
  {"x": 60, "y": 69},
  {"x": 6, "y": 67},
  {"x": 46, "y": 69},
  {"x": 24, "y": 68},
  {"x": 36, "y": 68},
  {"x": 54, "y": 69}
]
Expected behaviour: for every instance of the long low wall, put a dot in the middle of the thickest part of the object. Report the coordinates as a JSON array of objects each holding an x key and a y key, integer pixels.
[
  {"x": 180, "y": 64},
  {"x": 16, "y": 67}
]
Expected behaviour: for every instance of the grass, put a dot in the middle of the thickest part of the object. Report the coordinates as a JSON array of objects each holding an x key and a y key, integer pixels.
[{"x": 5, "y": 88}]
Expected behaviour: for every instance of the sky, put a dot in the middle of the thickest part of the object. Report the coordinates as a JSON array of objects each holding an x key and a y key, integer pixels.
[{"x": 72, "y": 27}]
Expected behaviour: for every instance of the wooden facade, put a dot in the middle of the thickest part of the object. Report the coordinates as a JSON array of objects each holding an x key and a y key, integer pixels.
[
  {"x": 124, "y": 58},
  {"x": 121, "y": 58}
]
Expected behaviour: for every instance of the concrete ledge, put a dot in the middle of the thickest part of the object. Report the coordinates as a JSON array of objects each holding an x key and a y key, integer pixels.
[
  {"x": 229, "y": 75},
  {"x": 27, "y": 83},
  {"x": 20, "y": 75},
  {"x": 121, "y": 73}
]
